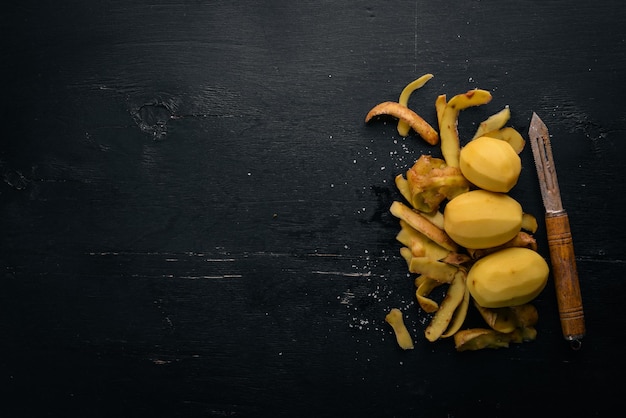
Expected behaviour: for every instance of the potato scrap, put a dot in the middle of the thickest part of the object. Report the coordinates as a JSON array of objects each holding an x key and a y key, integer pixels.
[
  {"x": 498, "y": 319},
  {"x": 443, "y": 316},
  {"x": 522, "y": 239},
  {"x": 510, "y": 135},
  {"x": 430, "y": 181},
  {"x": 403, "y": 126},
  {"x": 479, "y": 338},
  {"x": 493, "y": 122},
  {"x": 458, "y": 318},
  {"x": 440, "y": 106},
  {"x": 423, "y": 225},
  {"x": 529, "y": 223},
  {"x": 415, "y": 121},
  {"x": 403, "y": 337},
  {"x": 437, "y": 270},
  {"x": 424, "y": 287},
  {"x": 450, "y": 143}
]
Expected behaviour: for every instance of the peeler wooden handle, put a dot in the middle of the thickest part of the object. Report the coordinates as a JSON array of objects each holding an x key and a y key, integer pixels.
[{"x": 565, "y": 276}]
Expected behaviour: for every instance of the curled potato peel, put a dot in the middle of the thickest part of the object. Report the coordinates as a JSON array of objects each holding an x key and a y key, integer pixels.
[
  {"x": 493, "y": 122},
  {"x": 458, "y": 318},
  {"x": 415, "y": 121},
  {"x": 449, "y": 134},
  {"x": 443, "y": 316},
  {"x": 403, "y": 125}
]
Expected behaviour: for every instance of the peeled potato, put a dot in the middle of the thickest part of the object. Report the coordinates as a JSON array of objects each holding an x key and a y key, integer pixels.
[
  {"x": 491, "y": 164},
  {"x": 482, "y": 219},
  {"x": 509, "y": 277}
]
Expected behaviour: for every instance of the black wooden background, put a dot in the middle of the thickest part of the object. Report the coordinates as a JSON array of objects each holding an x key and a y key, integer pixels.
[{"x": 194, "y": 216}]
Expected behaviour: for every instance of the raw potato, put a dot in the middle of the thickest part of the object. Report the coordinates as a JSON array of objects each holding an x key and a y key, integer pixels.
[
  {"x": 403, "y": 126},
  {"x": 490, "y": 164},
  {"x": 450, "y": 143},
  {"x": 414, "y": 120},
  {"x": 403, "y": 337},
  {"x": 482, "y": 219},
  {"x": 509, "y": 277}
]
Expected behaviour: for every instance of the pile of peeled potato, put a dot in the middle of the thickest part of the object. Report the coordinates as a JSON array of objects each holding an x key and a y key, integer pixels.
[{"x": 459, "y": 227}]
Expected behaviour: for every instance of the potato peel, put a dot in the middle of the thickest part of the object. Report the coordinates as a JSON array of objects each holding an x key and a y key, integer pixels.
[
  {"x": 442, "y": 318},
  {"x": 450, "y": 143},
  {"x": 423, "y": 225},
  {"x": 415, "y": 121},
  {"x": 403, "y": 337},
  {"x": 493, "y": 122},
  {"x": 403, "y": 125}
]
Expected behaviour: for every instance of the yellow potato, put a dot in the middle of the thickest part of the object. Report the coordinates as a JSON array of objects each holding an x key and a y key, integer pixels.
[
  {"x": 490, "y": 164},
  {"x": 509, "y": 277},
  {"x": 482, "y": 219},
  {"x": 450, "y": 143}
]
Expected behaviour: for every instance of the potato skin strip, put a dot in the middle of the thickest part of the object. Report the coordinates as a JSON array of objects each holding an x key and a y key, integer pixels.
[
  {"x": 450, "y": 143},
  {"x": 395, "y": 109},
  {"x": 444, "y": 315},
  {"x": 403, "y": 126},
  {"x": 423, "y": 225},
  {"x": 458, "y": 318},
  {"x": 403, "y": 337},
  {"x": 493, "y": 122}
]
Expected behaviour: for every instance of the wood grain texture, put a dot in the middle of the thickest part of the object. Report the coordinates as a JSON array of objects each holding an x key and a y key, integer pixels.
[
  {"x": 565, "y": 276},
  {"x": 194, "y": 219}
]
